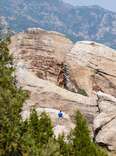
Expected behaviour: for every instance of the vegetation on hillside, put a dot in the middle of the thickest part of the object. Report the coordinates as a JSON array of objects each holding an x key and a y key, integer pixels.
[{"x": 34, "y": 137}]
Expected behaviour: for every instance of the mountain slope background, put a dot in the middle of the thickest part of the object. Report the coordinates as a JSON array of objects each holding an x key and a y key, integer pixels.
[
  {"x": 78, "y": 23},
  {"x": 4, "y": 28}
]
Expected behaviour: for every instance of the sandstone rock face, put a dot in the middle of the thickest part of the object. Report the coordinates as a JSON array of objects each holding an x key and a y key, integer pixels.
[
  {"x": 105, "y": 121},
  {"x": 28, "y": 80},
  {"x": 53, "y": 71},
  {"x": 43, "y": 52},
  {"x": 93, "y": 67},
  {"x": 45, "y": 95}
]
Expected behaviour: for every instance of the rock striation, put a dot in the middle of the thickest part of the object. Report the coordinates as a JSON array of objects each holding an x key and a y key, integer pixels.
[
  {"x": 53, "y": 70},
  {"x": 105, "y": 121},
  {"x": 51, "y": 98},
  {"x": 93, "y": 67},
  {"x": 43, "y": 52}
]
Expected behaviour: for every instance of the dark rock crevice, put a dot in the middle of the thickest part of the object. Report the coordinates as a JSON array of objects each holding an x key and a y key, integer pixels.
[
  {"x": 65, "y": 80},
  {"x": 98, "y": 102},
  {"x": 100, "y": 72},
  {"x": 97, "y": 130},
  {"x": 101, "y": 127},
  {"x": 104, "y": 145}
]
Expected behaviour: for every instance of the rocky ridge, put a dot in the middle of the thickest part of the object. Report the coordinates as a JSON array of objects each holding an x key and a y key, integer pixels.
[
  {"x": 98, "y": 65},
  {"x": 54, "y": 71}
]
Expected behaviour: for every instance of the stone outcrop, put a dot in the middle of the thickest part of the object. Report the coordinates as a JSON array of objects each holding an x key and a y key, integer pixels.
[
  {"x": 105, "y": 121},
  {"x": 46, "y": 95},
  {"x": 43, "y": 52},
  {"x": 93, "y": 67},
  {"x": 54, "y": 70}
]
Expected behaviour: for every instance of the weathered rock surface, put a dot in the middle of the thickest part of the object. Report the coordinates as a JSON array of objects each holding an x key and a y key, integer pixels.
[
  {"x": 43, "y": 52},
  {"x": 105, "y": 121},
  {"x": 44, "y": 94},
  {"x": 93, "y": 67},
  {"x": 53, "y": 70}
]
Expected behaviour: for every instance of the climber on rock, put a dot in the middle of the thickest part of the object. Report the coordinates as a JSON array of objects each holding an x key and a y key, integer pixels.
[{"x": 60, "y": 115}]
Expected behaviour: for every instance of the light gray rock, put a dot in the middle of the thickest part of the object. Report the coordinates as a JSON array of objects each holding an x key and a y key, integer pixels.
[
  {"x": 93, "y": 67},
  {"x": 107, "y": 135},
  {"x": 105, "y": 121}
]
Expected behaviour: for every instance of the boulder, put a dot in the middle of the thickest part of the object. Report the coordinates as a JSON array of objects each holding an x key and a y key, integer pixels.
[{"x": 105, "y": 121}]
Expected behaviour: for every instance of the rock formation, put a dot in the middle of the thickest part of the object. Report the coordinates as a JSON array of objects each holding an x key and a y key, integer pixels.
[
  {"x": 93, "y": 67},
  {"x": 43, "y": 52},
  {"x": 105, "y": 121},
  {"x": 54, "y": 70}
]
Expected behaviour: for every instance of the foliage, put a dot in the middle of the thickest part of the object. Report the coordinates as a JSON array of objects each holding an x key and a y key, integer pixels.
[
  {"x": 65, "y": 148},
  {"x": 39, "y": 128},
  {"x": 82, "y": 92},
  {"x": 11, "y": 100},
  {"x": 81, "y": 141}
]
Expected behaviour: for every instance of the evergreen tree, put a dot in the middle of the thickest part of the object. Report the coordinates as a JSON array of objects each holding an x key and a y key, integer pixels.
[
  {"x": 81, "y": 141},
  {"x": 65, "y": 148},
  {"x": 11, "y": 100},
  {"x": 41, "y": 127},
  {"x": 37, "y": 131},
  {"x": 52, "y": 148}
]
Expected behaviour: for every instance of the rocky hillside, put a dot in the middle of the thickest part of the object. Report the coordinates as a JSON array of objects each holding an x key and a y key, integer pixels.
[
  {"x": 61, "y": 75},
  {"x": 78, "y": 23}
]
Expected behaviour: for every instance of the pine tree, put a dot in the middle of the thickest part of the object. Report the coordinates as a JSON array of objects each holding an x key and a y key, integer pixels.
[
  {"x": 65, "y": 148},
  {"x": 11, "y": 100},
  {"x": 41, "y": 127},
  {"x": 37, "y": 131},
  {"x": 80, "y": 139},
  {"x": 52, "y": 148}
]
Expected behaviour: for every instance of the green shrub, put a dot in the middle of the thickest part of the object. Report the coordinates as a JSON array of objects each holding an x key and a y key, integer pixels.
[
  {"x": 82, "y": 92},
  {"x": 81, "y": 141}
]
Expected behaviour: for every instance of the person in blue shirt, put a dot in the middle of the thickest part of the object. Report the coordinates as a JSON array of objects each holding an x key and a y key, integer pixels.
[
  {"x": 60, "y": 114},
  {"x": 60, "y": 117}
]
